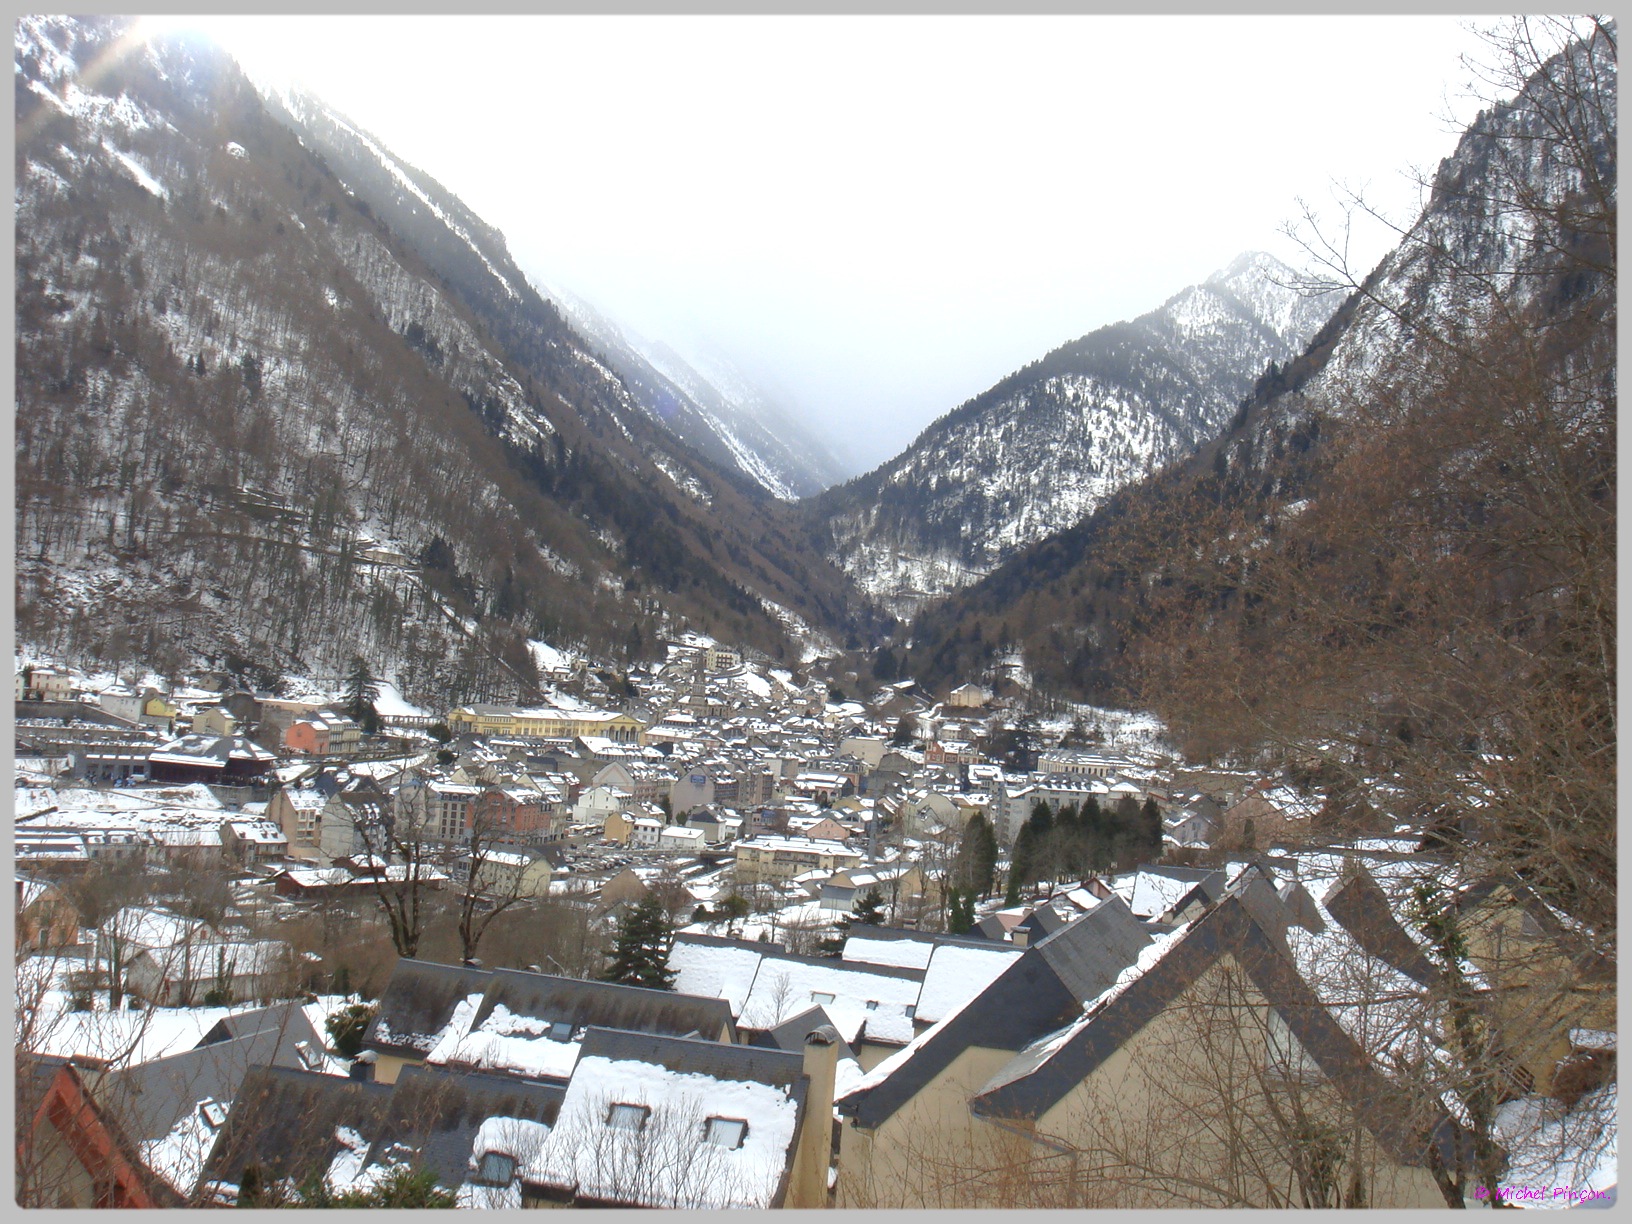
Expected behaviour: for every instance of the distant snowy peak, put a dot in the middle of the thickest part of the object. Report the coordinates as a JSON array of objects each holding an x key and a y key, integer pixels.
[
  {"x": 1047, "y": 445},
  {"x": 719, "y": 412}
]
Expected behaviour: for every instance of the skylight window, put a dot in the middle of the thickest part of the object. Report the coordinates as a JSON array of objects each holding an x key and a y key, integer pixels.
[
  {"x": 561, "y": 1030},
  {"x": 628, "y": 1117},
  {"x": 725, "y": 1132},
  {"x": 496, "y": 1169},
  {"x": 213, "y": 1113},
  {"x": 821, "y": 996}
]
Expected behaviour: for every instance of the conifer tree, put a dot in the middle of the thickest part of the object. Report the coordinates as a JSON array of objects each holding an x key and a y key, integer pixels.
[
  {"x": 977, "y": 856},
  {"x": 1150, "y": 820},
  {"x": 641, "y": 955},
  {"x": 870, "y": 909},
  {"x": 1022, "y": 869},
  {"x": 362, "y": 691}
]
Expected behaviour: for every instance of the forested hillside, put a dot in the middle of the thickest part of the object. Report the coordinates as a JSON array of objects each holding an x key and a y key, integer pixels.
[{"x": 256, "y": 429}]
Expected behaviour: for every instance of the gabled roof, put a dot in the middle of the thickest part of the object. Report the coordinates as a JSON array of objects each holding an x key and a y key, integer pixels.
[
  {"x": 52, "y": 1093},
  {"x": 693, "y": 1056},
  {"x": 789, "y": 1036},
  {"x": 1243, "y": 925},
  {"x": 1589, "y": 963},
  {"x": 153, "y": 1097},
  {"x": 422, "y": 1000},
  {"x": 667, "y": 1161},
  {"x": 437, "y": 1114},
  {"x": 284, "y": 1122},
  {"x": 1361, "y": 906},
  {"x": 1044, "y": 987},
  {"x": 417, "y": 1003}
]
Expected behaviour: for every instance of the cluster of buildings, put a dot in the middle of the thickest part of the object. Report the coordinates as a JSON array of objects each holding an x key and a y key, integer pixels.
[
  {"x": 1272, "y": 1032},
  {"x": 1079, "y": 1049}
]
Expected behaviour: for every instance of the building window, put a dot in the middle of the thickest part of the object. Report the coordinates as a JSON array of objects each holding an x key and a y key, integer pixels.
[
  {"x": 496, "y": 1169},
  {"x": 821, "y": 996},
  {"x": 628, "y": 1117},
  {"x": 725, "y": 1132},
  {"x": 561, "y": 1030}
]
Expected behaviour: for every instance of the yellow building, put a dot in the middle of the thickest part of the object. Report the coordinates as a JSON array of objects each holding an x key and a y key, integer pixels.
[
  {"x": 782, "y": 858},
  {"x": 1211, "y": 1075},
  {"x": 545, "y": 722}
]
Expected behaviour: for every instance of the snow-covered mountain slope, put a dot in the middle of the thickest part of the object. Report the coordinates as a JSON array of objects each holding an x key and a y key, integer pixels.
[
  {"x": 254, "y": 419},
  {"x": 1509, "y": 273},
  {"x": 1048, "y": 444},
  {"x": 721, "y": 413},
  {"x": 739, "y": 434}
]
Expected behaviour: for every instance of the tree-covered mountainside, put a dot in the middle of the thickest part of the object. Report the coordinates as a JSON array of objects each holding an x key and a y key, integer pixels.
[
  {"x": 1048, "y": 444},
  {"x": 741, "y": 436},
  {"x": 256, "y": 426},
  {"x": 1462, "y": 395}
]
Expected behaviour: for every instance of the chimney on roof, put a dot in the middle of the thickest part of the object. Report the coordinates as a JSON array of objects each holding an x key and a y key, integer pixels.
[
  {"x": 807, "y": 1183},
  {"x": 362, "y": 1067}
]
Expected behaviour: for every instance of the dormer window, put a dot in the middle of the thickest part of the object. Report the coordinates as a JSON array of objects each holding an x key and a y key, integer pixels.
[
  {"x": 821, "y": 996},
  {"x": 628, "y": 1117},
  {"x": 725, "y": 1132},
  {"x": 496, "y": 1169}
]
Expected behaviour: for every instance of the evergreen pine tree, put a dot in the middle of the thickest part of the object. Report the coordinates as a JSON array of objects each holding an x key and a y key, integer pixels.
[
  {"x": 833, "y": 945},
  {"x": 869, "y": 911},
  {"x": 1011, "y": 895},
  {"x": 1150, "y": 819},
  {"x": 1042, "y": 818},
  {"x": 362, "y": 691},
  {"x": 1022, "y": 867},
  {"x": 641, "y": 955}
]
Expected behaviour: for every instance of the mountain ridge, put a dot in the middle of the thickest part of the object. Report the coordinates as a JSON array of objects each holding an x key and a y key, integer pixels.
[{"x": 1046, "y": 444}]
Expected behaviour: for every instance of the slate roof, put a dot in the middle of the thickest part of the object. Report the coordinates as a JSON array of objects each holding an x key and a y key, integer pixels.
[
  {"x": 436, "y": 1113},
  {"x": 150, "y": 1097},
  {"x": 690, "y": 1056},
  {"x": 789, "y": 1036},
  {"x": 1087, "y": 955},
  {"x": 283, "y": 1122},
  {"x": 1041, "y": 923},
  {"x": 419, "y": 1002},
  {"x": 1043, "y": 989},
  {"x": 1243, "y": 925},
  {"x": 1361, "y": 906}
]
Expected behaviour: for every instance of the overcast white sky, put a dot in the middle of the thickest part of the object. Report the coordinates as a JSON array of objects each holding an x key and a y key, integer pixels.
[{"x": 885, "y": 215}]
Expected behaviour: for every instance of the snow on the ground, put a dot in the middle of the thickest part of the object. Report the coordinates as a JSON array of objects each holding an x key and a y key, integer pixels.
[
  {"x": 1560, "y": 1157},
  {"x": 547, "y": 658},
  {"x": 391, "y": 704}
]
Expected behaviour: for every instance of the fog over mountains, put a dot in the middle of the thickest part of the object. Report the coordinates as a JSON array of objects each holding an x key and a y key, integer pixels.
[
  {"x": 1048, "y": 444},
  {"x": 283, "y": 398}
]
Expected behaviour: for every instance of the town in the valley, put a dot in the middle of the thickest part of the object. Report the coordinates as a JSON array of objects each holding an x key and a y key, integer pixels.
[
  {"x": 713, "y": 933},
  {"x": 806, "y": 654}
]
